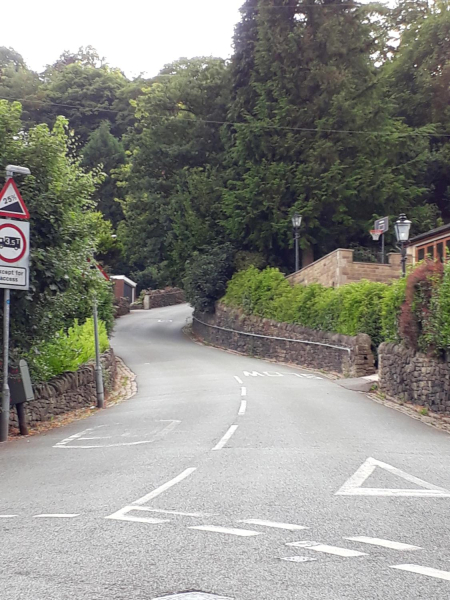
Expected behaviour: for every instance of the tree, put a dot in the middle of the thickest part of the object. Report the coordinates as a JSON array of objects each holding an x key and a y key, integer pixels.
[
  {"x": 173, "y": 179},
  {"x": 313, "y": 130},
  {"x": 105, "y": 151},
  {"x": 64, "y": 232}
]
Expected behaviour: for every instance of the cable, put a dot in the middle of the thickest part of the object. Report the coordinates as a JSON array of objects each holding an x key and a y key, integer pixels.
[{"x": 234, "y": 124}]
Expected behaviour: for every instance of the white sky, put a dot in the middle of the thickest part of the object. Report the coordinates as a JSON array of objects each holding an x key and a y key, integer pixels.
[{"x": 134, "y": 35}]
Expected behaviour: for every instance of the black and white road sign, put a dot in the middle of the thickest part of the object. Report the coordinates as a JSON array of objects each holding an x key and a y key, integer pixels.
[
  {"x": 11, "y": 202},
  {"x": 14, "y": 254}
]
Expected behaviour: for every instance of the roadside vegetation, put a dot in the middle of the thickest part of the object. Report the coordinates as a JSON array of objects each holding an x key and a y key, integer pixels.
[{"x": 414, "y": 311}]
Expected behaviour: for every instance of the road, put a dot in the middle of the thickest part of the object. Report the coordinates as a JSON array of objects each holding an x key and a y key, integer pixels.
[{"x": 230, "y": 476}]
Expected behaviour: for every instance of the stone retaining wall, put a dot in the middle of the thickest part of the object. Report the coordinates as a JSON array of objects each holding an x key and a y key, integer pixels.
[
  {"x": 231, "y": 328},
  {"x": 160, "y": 298},
  {"x": 67, "y": 392},
  {"x": 414, "y": 377}
]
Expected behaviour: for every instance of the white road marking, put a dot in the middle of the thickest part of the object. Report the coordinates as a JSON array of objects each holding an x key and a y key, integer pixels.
[
  {"x": 193, "y": 596},
  {"x": 272, "y": 374},
  {"x": 56, "y": 516},
  {"x": 277, "y": 374},
  {"x": 98, "y": 437},
  {"x": 243, "y": 391},
  {"x": 300, "y": 559},
  {"x": 384, "y": 543},
  {"x": 226, "y": 530},
  {"x": 122, "y": 515},
  {"x": 253, "y": 374},
  {"x": 274, "y": 524},
  {"x": 424, "y": 571},
  {"x": 352, "y": 487},
  {"x": 176, "y": 512},
  {"x": 164, "y": 487},
  {"x": 7, "y": 516},
  {"x": 336, "y": 550},
  {"x": 243, "y": 407},
  {"x": 225, "y": 438},
  {"x": 238, "y": 379},
  {"x": 80, "y": 436}
]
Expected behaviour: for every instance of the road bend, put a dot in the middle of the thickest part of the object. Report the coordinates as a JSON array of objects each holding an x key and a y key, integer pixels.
[{"x": 225, "y": 477}]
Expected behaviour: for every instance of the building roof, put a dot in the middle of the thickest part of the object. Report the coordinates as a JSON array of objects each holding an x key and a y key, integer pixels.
[
  {"x": 125, "y": 279},
  {"x": 431, "y": 233}
]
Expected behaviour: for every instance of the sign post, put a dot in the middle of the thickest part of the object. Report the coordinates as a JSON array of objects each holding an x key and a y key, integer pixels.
[
  {"x": 14, "y": 269},
  {"x": 382, "y": 225}
]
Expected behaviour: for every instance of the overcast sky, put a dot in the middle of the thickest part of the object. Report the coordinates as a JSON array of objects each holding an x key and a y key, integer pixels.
[{"x": 135, "y": 35}]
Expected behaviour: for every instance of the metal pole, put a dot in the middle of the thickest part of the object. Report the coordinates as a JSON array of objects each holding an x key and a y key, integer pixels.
[
  {"x": 382, "y": 248},
  {"x": 403, "y": 260},
  {"x": 98, "y": 364},
  {"x": 4, "y": 417},
  {"x": 297, "y": 262}
]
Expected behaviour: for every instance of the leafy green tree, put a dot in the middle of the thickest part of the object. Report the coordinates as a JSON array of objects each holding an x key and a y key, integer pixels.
[
  {"x": 173, "y": 179},
  {"x": 64, "y": 232},
  {"x": 105, "y": 151}
]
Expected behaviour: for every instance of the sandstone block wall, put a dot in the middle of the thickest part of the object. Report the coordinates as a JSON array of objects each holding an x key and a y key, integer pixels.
[
  {"x": 338, "y": 268},
  {"x": 230, "y": 328},
  {"x": 160, "y": 298},
  {"x": 67, "y": 392},
  {"x": 414, "y": 377}
]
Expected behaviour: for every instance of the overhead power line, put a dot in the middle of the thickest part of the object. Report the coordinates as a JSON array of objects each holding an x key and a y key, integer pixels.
[{"x": 237, "y": 124}]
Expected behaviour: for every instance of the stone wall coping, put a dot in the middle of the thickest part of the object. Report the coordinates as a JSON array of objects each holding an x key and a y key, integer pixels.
[{"x": 327, "y": 256}]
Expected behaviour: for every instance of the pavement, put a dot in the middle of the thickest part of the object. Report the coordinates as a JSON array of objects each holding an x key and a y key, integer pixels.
[{"x": 225, "y": 477}]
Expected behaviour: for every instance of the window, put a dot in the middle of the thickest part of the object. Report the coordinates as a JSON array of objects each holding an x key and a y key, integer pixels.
[
  {"x": 430, "y": 251},
  {"x": 448, "y": 249},
  {"x": 421, "y": 252},
  {"x": 440, "y": 251}
]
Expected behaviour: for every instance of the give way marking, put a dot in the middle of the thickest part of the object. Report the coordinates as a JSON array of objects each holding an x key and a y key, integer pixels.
[
  {"x": 353, "y": 486},
  {"x": 276, "y": 374}
]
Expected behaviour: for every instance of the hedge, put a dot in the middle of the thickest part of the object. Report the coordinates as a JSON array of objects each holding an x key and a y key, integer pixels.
[{"x": 363, "y": 307}]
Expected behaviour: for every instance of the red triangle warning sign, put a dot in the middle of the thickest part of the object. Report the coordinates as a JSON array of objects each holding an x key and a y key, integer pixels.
[{"x": 11, "y": 203}]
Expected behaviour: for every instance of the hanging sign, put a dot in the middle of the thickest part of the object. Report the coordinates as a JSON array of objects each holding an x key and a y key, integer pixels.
[{"x": 14, "y": 254}]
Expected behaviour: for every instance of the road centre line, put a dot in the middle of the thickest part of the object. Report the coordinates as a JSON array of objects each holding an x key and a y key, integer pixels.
[
  {"x": 383, "y": 543},
  {"x": 243, "y": 407},
  {"x": 424, "y": 571},
  {"x": 8, "y": 516},
  {"x": 226, "y": 530},
  {"x": 243, "y": 391},
  {"x": 225, "y": 438},
  {"x": 164, "y": 487},
  {"x": 336, "y": 550},
  {"x": 238, "y": 379},
  {"x": 56, "y": 516},
  {"x": 273, "y": 524}
]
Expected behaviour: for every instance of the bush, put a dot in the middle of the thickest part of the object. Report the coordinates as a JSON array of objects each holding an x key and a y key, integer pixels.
[
  {"x": 67, "y": 351},
  {"x": 207, "y": 275}
]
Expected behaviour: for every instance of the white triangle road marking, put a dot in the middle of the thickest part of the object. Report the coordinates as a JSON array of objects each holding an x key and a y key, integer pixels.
[
  {"x": 420, "y": 570},
  {"x": 353, "y": 486}
]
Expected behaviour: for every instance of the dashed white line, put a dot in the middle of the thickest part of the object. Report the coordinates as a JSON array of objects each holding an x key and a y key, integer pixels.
[
  {"x": 238, "y": 379},
  {"x": 299, "y": 559},
  {"x": 243, "y": 407},
  {"x": 243, "y": 391},
  {"x": 176, "y": 512},
  {"x": 424, "y": 571},
  {"x": 225, "y": 438},
  {"x": 384, "y": 543},
  {"x": 56, "y": 516},
  {"x": 226, "y": 530},
  {"x": 122, "y": 515},
  {"x": 273, "y": 524},
  {"x": 7, "y": 516},
  {"x": 336, "y": 550},
  {"x": 165, "y": 486}
]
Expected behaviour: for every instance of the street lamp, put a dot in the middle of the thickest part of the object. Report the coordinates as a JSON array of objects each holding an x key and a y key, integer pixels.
[
  {"x": 402, "y": 227},
  {"x": 296, "y": 222}
]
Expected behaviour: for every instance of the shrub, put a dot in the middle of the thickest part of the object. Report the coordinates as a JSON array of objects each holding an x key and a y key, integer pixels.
[
  {"x": 394, "y": 297},
  {"x": 67, "y": 351},
  {"x": 207, "y": 275}
]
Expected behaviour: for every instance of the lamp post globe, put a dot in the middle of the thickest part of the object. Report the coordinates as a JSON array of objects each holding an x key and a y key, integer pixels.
[{"x": 296, "y": 223}]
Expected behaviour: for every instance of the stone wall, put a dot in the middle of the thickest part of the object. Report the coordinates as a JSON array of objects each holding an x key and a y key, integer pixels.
[
  {"x": 121, "y": 307},
  {"x": 67, "y": 392},
  {"x": 414, "y": 377},
  {"x": 231, "y": 328},
  {"x": 338, "y": 268},
  {"x": 160, "y": 298}
]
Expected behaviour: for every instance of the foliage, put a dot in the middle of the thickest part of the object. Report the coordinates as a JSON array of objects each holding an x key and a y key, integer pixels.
[
  {"x": 206, "y": 276},
  {"x": 394, "y": 297},
  {"x": 65, "y": 232},
  {"x": 67, "y": 350}
]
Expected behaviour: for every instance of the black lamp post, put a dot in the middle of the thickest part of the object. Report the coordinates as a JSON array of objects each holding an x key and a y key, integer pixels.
[
  {"x": 402, "y": 227},
  {"x": 296, "y": 222}
]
